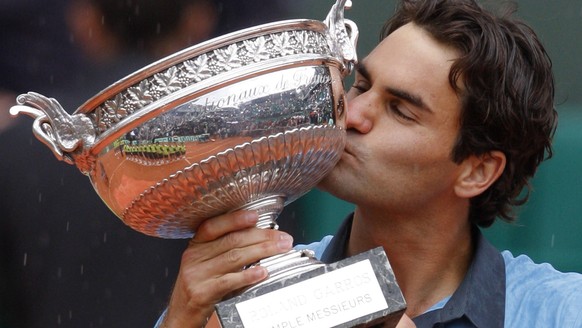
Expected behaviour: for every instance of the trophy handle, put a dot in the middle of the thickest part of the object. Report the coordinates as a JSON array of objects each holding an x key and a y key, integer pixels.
[
  {"x": 66, "y": 135},
  {"x": 343, "y": 34}
]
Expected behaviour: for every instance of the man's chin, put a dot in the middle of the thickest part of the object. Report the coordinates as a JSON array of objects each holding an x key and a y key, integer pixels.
[{"x": 328, "y": 184}]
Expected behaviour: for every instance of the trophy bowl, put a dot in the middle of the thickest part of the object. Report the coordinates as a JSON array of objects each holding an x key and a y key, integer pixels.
[{"x": 252, "y": 119}]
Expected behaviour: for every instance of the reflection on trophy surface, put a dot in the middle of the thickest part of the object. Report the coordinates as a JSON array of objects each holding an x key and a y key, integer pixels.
[{"x": 250, "y": 120}]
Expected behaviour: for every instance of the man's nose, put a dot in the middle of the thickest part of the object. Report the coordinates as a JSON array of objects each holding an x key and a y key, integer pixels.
[{"x": 359, "y": 114}]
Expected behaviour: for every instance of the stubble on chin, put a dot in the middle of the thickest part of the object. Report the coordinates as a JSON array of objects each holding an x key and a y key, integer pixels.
[
  {"x": 332, "y": 183},
  {"x": 324, "y": 183}
]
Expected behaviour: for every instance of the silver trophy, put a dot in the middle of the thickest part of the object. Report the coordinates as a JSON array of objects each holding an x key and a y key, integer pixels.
[{"x": 249, "y": 120}]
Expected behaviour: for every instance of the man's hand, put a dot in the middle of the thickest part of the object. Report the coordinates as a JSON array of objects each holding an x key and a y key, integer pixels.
[{"x": 211, "y": 266}]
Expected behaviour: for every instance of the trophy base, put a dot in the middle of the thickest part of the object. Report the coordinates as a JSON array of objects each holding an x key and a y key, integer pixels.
[{"x": 360, "y": 291}]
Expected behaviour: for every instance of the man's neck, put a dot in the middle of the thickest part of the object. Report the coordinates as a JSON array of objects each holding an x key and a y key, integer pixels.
[{"x": 429, "y": 259}]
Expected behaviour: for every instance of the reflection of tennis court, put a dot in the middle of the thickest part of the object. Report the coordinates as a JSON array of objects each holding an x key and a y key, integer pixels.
[{"x": 119, "y": 181}]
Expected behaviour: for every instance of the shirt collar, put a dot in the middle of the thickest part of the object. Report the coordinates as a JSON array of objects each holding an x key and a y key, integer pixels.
[
  {"x": 479, "y": 300},
  {"x": 336, "y": 250}
]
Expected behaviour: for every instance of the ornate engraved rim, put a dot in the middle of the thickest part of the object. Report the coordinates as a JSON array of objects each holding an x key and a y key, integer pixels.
[{"x": 211, "y": 59}]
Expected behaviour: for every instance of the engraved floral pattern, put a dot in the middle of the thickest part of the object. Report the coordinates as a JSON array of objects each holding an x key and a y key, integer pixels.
[
  {"x": 282, "y": 44},
  {"x": 256, "y": 50},
  {"x": 227, "y": 58},
  {"x": 306, "y": 42},
  {"x": 197, "y": 69},
  {"x": 204, "y": 66},
  {"x": 112, "y": 111},
  {"x": 165, "y": 83},
  {"x": 140, "y": 95}
]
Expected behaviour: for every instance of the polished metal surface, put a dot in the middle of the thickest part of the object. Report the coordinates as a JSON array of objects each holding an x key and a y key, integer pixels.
[{"x": 252, "y": 119}]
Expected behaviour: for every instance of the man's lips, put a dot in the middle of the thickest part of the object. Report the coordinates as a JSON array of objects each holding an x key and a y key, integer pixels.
[{"x": 348, "y": 149}]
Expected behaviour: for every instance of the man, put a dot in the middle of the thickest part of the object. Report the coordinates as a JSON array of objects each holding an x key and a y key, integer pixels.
[{"x": 449, "y": 117}]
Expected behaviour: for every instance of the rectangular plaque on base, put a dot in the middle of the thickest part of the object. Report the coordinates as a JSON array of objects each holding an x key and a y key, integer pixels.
[{"x": 359, "y": 291}]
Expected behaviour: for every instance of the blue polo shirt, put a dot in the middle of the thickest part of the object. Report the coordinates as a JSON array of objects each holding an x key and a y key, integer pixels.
[{"x": 499, "y": 290}]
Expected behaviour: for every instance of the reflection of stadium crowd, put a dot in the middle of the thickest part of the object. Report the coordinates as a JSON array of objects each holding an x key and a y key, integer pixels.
[{"x": 271, "y": 114}]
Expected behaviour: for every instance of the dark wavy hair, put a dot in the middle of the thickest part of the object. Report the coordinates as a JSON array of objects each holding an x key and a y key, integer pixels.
[{"x": 505, "y": 82}]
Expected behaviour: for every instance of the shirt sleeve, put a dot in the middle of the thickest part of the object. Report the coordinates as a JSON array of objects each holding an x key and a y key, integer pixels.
[{"x": 540, "y": 296}]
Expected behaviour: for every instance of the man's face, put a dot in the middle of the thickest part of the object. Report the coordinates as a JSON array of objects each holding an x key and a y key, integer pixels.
[{"x": 402, "y": 121}]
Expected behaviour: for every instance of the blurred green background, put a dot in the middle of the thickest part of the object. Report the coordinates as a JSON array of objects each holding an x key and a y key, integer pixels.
[{"x": 549, "y": 228}]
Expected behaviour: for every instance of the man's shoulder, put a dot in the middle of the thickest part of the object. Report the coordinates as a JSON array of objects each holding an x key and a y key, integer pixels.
[
  {"x": 538, "y": 293},
  {"x": 524, "y": 275}
]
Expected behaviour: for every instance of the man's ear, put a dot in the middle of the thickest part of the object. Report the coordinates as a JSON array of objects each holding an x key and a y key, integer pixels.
[{"x": 478, "y": 173}]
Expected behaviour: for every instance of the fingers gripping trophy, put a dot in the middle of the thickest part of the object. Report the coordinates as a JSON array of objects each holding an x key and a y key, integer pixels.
[{"x": 249, "y": 120}]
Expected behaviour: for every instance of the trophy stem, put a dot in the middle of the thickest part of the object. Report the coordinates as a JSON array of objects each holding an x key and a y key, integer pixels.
[
  {"x": 269, "y": 209},
  {"x": 283, "y": 265}
]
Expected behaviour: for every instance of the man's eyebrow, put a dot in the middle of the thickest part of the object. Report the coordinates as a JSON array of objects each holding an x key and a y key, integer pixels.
[
  {"x": 407, "y": 96},
  {"x": 362, "y": 70}
]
